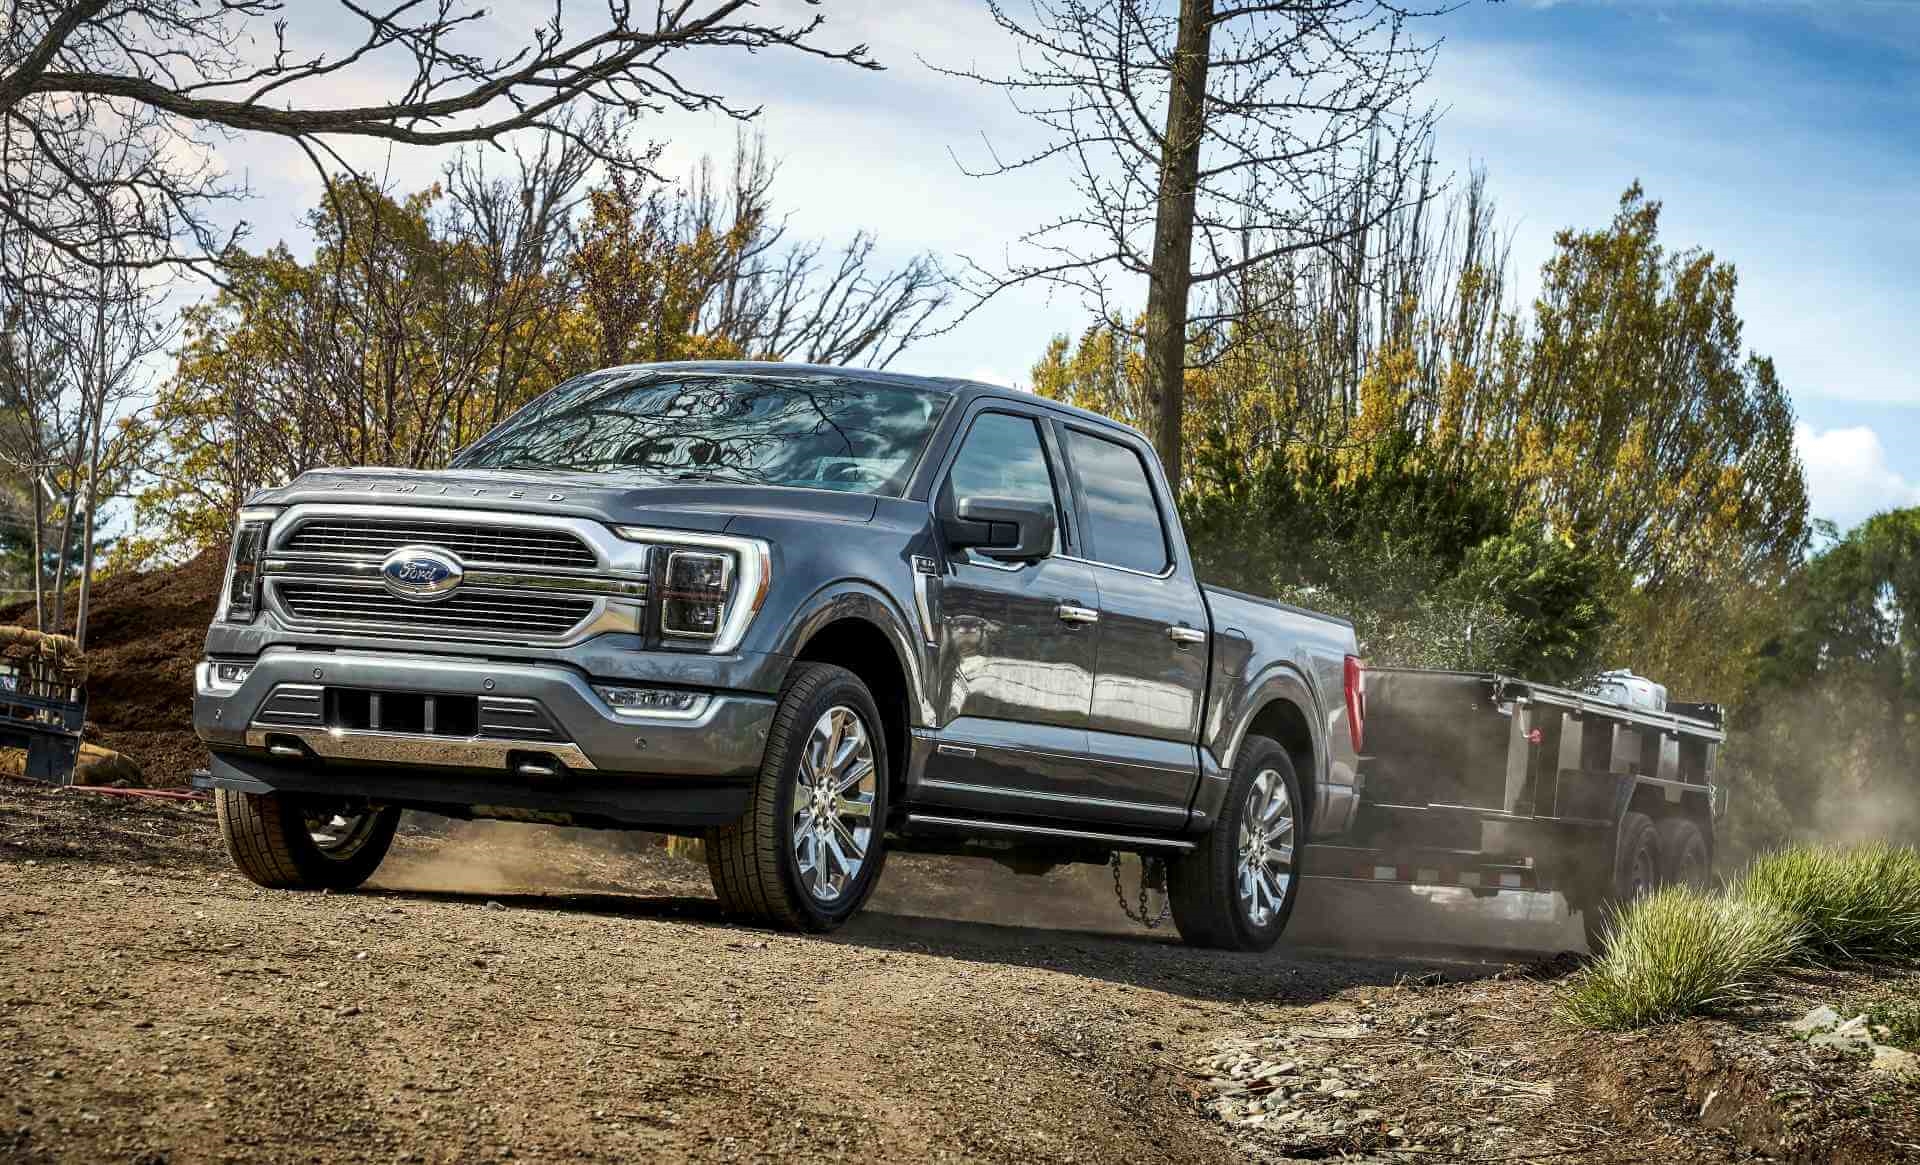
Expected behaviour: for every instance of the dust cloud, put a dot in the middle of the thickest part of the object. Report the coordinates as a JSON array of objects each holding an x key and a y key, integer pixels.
[{"x": 441, "y": 855}]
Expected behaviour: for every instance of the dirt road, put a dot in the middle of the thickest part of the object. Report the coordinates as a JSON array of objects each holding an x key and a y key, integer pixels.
[
  {"x": 511, "y": 993},
  {"x": 157, "y": 1005}
]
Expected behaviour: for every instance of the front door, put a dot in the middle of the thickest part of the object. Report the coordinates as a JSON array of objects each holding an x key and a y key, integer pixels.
[{"x": 1017, "y": 642}]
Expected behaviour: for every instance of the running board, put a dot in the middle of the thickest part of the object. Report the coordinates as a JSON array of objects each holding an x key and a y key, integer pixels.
[{"x": 972, "y": 825}]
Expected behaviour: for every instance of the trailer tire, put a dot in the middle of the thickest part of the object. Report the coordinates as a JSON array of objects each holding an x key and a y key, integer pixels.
[
  {"x": 1204, "y": 886},
  {"x": 754, "y": 862},
  {"x": 276, "y": 839},
  {"x": 1685, "y": 857},
  {"x": 1636, "y": 871}
]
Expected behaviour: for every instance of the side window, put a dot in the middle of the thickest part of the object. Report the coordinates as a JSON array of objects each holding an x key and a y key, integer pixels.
[
  {"x": 1123, "y": 519},
  {"x": 1002, "y": 457}
]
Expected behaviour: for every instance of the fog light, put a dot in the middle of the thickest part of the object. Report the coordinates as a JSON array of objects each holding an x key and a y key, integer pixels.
[
  {"x": 656, "y": 703},
  {"x": 219, "y": 678}
]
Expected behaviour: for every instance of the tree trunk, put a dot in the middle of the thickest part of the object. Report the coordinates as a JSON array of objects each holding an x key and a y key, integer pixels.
[
  {"x": 39, "y": 552},
  {"x": 1172, "y": 277},
  {"x": 86, "y": 576}
]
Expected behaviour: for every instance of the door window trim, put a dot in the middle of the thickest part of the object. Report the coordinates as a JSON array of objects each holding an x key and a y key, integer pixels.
[
  {"x": 1065, "y": 504},
  {"x": 1079, "y": 494}
]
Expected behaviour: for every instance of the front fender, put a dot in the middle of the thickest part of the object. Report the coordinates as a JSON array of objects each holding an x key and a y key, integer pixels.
[{"x": 858, "y": 599}]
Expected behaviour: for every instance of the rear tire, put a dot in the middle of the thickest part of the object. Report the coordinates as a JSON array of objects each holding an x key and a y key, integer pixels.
[
  {"x": 811, "y": 844},
  {"x": 1685, "y": 857},
  {"x": 289, "y": 841},
  {"x": 1236, "y": 891},
  {"x": 1636, "y": 871}
]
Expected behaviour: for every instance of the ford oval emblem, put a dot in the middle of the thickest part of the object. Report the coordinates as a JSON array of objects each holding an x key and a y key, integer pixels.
[{"x": 421, "y": 572}]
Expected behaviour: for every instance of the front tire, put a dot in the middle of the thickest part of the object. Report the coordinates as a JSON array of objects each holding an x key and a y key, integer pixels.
[
  {"x": 287, "y": 841},
  {"x": 811, "y": 844},
  {"x": 1236, "y": 891}
]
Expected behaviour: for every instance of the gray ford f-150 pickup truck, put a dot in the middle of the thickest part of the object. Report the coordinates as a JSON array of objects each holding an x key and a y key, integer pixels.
[{"x": 809, "y": 614}]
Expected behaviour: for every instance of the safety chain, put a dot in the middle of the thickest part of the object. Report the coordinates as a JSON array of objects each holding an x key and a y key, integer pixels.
[{"x": 1145, "y": 918}]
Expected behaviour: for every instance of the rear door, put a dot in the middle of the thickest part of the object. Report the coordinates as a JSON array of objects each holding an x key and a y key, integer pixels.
[{"x": 1150, "y": 672}]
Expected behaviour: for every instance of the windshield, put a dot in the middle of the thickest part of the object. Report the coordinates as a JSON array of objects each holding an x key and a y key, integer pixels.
[{"x": 826, "y": 433}]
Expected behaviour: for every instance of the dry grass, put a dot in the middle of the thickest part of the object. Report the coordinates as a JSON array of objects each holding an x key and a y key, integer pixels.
[
  {"x": 1855, "y": 903},
  {"x": 1679, "y": 952}
]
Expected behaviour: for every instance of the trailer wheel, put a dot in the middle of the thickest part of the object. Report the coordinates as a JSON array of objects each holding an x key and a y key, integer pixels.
[
  {"x": 1636, "y": 871},
  {"x": 810, "y": 846},
  {"x": 286, "y": 841},
  {"x": 1685, "y": 859},
  {"x": 1237, "y": 889}
]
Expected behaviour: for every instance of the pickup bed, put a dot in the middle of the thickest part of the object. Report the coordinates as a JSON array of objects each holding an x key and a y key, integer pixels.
[{"x": 808, "y": 614}]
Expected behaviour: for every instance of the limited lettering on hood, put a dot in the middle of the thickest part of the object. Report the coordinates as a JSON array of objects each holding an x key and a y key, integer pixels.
[{"x": 435, "y": 491}]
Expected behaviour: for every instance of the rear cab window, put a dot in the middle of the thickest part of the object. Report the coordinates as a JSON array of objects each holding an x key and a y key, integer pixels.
[{"x": 1124, "y": 525}]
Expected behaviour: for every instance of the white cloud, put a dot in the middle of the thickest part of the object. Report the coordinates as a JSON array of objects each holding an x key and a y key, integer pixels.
[{"x": 1848, "y": 475}]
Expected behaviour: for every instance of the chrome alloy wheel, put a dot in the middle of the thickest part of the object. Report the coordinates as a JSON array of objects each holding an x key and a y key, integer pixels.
[
  {"x": 1265, "y": 868},
  {"x": 339, "y": 833},
  {"x": 833, "y": 792}
]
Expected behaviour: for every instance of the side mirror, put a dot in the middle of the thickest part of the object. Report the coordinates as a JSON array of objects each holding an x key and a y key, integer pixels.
[{"x": 1012, "y": 529}]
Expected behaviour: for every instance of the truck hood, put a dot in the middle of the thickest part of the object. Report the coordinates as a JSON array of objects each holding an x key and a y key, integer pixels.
[{"x": 624, "y": 498}]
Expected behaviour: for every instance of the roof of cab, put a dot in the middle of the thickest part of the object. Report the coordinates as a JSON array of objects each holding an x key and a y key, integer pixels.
[{"x": 962, "y": 389}]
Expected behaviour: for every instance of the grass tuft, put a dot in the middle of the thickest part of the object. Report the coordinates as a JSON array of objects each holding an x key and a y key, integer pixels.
[
  {"x": 1854, "y": 903},
  {"x": 1677, "y": 952}
]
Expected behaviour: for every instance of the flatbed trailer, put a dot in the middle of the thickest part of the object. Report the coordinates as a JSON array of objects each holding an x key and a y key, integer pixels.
[{"x": 1502, "y": 784}]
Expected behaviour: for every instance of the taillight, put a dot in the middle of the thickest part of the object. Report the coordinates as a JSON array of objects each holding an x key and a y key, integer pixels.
[{"x": 1357, "y": 702}]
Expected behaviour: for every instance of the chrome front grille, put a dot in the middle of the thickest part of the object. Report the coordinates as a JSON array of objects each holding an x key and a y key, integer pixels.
[
  {"x": 350, "y": 605},
  {"x": 477, "y": 543}
]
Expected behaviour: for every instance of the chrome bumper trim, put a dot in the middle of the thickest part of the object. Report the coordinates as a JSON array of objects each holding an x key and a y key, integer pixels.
[{"x": 409, "y": 748}]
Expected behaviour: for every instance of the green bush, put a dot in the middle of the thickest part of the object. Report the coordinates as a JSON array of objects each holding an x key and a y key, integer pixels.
[
  {"x": 1677, "y": 952},
  {"x": 1854, "y": 902}
]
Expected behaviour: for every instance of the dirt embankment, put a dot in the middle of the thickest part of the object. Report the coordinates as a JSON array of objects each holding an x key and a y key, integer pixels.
[{"x": 144, "y": 635}]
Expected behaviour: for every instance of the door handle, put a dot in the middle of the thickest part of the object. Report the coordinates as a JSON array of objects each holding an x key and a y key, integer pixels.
[
  {"x": 1186, "y": 635},
  {"x": 1072, "y": 614}
]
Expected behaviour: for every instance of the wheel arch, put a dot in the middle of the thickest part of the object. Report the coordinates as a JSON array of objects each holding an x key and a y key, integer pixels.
[
  {"x": 856, "y": 628},
  {"x": 1280, "y": 707}
]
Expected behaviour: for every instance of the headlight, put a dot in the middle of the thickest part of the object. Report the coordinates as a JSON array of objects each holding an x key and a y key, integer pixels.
[
  {"x": 706, "y": 588},
  {"x": 240, "y": 596},
  {"x": 694, "y": 593}
]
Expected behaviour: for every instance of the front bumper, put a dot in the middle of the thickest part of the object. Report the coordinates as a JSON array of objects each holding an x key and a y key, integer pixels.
[{"x": 545, "y": 743}]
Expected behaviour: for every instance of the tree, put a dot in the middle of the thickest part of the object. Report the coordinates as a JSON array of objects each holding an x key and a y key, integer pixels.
[
  {"x": 71, "y": 366},
  {"x": 120, "y": 102},
  {"x": 423, "y": 321},
  {"x": 709, "y": 270},
  {"x": 1202, "y": 144}
]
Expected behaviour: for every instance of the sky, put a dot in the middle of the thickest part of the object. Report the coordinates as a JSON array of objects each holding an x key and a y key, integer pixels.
[{"x": 1779, "y": 134}]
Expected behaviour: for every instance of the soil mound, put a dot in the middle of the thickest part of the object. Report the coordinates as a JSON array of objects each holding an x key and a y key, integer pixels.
[{"x": 144, "y": 635}]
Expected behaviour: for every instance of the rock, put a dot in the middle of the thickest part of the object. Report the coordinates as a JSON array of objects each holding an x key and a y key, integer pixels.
[
  {"x": 1840, "y": 1040},
  {"x": 1896, "y": 1062},
  {"x": 1820, "y": 1019},
  {"x": 495, "y": 904}
]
